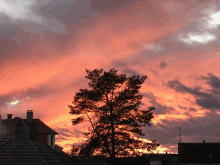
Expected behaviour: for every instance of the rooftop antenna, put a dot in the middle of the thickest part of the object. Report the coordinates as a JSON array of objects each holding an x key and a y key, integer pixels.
[{"x": 179, "y": 135}]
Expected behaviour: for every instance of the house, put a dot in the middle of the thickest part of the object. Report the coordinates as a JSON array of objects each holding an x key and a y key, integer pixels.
[
  {"x": 199, "y": 152},
  {"x": 21, "y": 145},
  {"x": 44, "y": 133}
]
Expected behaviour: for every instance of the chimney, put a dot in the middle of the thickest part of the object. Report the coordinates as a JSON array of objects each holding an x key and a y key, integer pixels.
[
  {"x": 203, "y": 141},
  {"x": 33, "y": 130},
  {"x": 29, "y": 116},
  {"x": 19, "y": 127},
  {"x": 9, "y": 117}
]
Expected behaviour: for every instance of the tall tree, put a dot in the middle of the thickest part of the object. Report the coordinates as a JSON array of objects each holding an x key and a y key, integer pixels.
[{"x": 116, "y": 112}]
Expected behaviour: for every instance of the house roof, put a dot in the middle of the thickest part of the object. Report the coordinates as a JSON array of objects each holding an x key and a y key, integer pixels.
[
  {"x": 41, "y": 127},
  {"x": 58, "y": 148},
  {"x": 20, "y": 149},
  {"x": 206, "y": 143}
]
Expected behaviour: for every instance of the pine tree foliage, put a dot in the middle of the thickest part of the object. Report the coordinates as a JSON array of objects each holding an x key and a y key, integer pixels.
[{"x": 116, "y": 114}]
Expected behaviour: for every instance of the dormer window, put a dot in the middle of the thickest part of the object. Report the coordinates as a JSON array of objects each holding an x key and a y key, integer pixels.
[{"x": 51, "y": 140}]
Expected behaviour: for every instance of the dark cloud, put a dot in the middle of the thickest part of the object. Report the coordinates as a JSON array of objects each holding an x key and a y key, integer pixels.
[
  {"x": 191, "y": 120},
  {"x": 212, "y": 80},
  {"x": 163, "y": 65},
  {"x": 137, "y": 62},
  {"x": 70, "y": 144},
  {"x": 125, "y": 69},
  {"x": 129, "y": 72},
  {"x": 192, "y": 109},
  {"x": 8, "y": 50},
  {"x": 8, "y": 45},
  {"x": 142, "y": 104},
  {"x": 154, "y": 71},
  {"x": 166, "y": 121},
  {"x": 133, "y": 45},
  {"x": 159, "y": 108},
  {"x": 153, "y": 14},
  {"x": 172, "y": 46},
  {"x": 179, "y": 87},
  {"x": 21, "y": 33},
  {"x": 194, "y": 129},
  {"x": 170, "y": 52},
  {"x": 37, "y": 92},
  {"x": 68, "y": 12},
  {"x": 119, "y": 64},
  {"x": 66, "y": 133},
  {"x": 4, "y": 19},
  {"x": 182, "y": 107},
  {"x": 63, "y": 135},
  {"x": 60, "y": 138},
  {"x": 165, "y": 134},
  {"x": 203, "y": 99},
  {"x": 200, "y": 128},
  {"x": 7, "y": 31},
  {"x": 15, "y": 40},
  {"x": 103, "y": 5},
  {"x": 209, "y": 102}
]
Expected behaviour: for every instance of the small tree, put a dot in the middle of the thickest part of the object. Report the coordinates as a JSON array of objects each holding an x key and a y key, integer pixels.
[{"x": 117, "y": 115}]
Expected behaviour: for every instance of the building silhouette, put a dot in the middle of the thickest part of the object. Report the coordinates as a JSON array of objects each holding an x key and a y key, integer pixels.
[{"x": 199, "y": 152}]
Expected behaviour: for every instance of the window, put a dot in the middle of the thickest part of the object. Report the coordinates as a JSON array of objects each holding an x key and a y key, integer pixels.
[{"x": 51, "y": 140}]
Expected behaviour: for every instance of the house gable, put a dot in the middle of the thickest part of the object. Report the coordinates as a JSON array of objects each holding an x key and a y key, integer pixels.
[
  {"x": 45, "y": 133},
  {"x": 19, "y": 148}
]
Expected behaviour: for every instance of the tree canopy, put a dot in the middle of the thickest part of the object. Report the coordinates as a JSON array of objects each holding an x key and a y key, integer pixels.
[{"x": 116, "y": 113}]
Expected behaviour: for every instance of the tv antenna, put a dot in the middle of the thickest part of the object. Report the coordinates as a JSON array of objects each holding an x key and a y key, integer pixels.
[{"x": 179, "y": 135}]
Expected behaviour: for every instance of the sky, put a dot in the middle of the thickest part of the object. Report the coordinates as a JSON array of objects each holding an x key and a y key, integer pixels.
[{"x": 46, "y": 47}]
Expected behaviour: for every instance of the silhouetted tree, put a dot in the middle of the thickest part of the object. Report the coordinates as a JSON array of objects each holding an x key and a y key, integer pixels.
[{"x": 117, "y": 115}]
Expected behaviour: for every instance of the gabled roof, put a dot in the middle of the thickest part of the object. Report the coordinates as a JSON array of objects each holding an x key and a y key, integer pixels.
[
  {"x": 41, "y": 127},
  {"x": 20, "y": 149}
]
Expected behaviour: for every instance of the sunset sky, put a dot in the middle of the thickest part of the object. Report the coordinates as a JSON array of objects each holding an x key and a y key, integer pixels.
[{"x": 46, "y": 47}]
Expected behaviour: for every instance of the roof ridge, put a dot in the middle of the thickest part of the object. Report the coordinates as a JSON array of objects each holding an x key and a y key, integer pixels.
[{"x": 36, "y": 151}]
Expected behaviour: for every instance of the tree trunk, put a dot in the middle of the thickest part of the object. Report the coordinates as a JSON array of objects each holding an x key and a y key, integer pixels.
[{"x": 113, "y": 160}]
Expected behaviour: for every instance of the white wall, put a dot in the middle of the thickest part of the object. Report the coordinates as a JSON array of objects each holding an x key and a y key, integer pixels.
[{"x": 49, "y": 139}]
